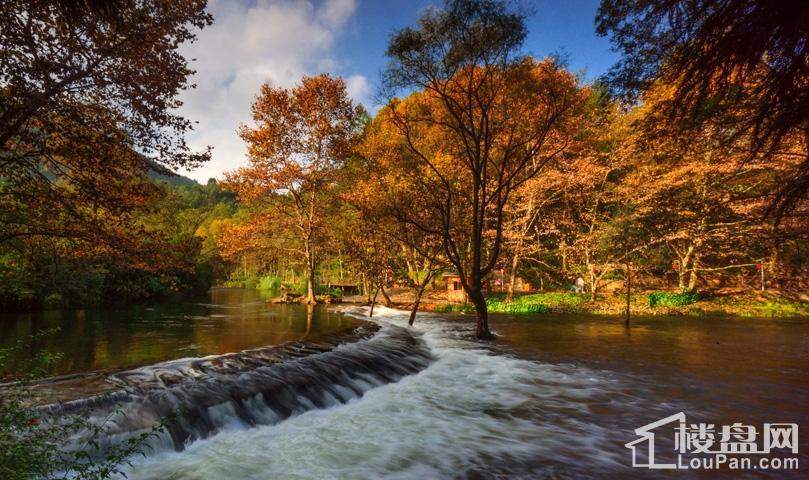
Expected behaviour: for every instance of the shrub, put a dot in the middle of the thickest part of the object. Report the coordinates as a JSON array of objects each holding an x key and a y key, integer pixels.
[
  {"x": 269, "y": 282},
  {"x": 299, "y": 286},
  {"x": 249, "y": 282},
  {"x": 454, "y": 307},
  {"x": 671, "y": 299},
  {"x": 518, "y": 305},
  {"x": 34, "y": 444},
  {"x": 533, "y": 303}
]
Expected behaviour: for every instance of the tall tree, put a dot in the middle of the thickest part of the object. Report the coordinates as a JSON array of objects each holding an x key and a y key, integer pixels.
[
  {"x": 390, "y": 201},
  {"x": 528, "y": 216},
  {"x": 703, "y": 205},
  {"x": 484, "y": 121},
  {"x": 81, "y": 90},
  {"x": 301, "y": 139},
  {"x": 748, "y": 57}
]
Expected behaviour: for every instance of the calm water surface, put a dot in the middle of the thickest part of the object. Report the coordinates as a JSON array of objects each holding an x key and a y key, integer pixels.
[{"x": 228, "y": 320}]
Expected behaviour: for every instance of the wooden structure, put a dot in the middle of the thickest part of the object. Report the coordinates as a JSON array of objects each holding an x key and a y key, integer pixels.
[{"x": 455, "y": 291}]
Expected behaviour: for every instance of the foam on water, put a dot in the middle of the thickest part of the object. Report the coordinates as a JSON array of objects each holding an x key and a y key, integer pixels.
[{"x": 471, "y": 413}]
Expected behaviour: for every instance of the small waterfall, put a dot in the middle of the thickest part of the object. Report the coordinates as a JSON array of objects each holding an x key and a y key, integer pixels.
[{"x": 197, "y": 397}]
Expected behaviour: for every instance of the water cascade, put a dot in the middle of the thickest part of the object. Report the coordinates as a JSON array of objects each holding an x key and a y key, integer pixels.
[{"x": 197, "y": 397}]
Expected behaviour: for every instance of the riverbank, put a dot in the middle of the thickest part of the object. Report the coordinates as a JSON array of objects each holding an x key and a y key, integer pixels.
[{"x": 734, "y": 303}]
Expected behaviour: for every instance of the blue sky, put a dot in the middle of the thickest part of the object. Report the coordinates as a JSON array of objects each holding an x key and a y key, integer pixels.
[
  {"x": 556, "y": 27},
  {"x": 278, "y": 41}
]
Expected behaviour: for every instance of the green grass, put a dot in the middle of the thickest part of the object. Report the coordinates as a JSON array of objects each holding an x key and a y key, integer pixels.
[
  {"x": 496, "y": 306},
  {"x": 745, "y": 306},
  {"x": 670, "y": 299},
  {"x": 269, "y": 282},
  {"x": 534, "y": 303},
  {"x": 454, "y": 307},
  {"x": 655, "y": 303}
]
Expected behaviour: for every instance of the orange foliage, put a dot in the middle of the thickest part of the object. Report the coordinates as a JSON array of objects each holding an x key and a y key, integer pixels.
[{"x": 301, "y": 139}]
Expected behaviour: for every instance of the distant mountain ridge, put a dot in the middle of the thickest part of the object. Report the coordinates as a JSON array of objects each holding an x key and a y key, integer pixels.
[{"x": 160, "y": 173}]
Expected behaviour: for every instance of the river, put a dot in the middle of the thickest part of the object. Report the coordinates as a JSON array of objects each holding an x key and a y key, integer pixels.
[
  {"x": 227, "y": 320},
  {"x": 555, "y": 397}
]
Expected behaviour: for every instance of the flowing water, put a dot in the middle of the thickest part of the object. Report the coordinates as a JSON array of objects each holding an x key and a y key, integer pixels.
[{"x": 554, "y": 397}]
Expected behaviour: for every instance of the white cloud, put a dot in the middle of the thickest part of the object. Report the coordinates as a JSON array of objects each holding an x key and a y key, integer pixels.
[
  {"x": 358, "y": 88},
  {"x": 271, "y": 40}
]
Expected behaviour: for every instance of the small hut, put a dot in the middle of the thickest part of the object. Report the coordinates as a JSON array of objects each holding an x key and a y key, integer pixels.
[{"x": 455, "y": 291}]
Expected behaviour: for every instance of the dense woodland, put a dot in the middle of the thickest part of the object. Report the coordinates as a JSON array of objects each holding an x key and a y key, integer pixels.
[{"x": 482, "y": 160}]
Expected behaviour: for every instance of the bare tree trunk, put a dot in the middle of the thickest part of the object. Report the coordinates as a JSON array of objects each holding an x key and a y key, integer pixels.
[
  {"x": 373, "y": 302},
  {"x": 482, "y": 329},
  {"x": 681, "y": 277},
  {"x": 310, "y": 274},
  {"x": 685, "y": 263},
  {"x": 366, "y": 290},
  {"x": 694, "y": 277},
  {"x": 388, "y": 302},
  {"x": 515, "y": 262},
  {"x": 628, "y": 291},
  {"x": 563, "y": 251},
  {"x": 591, "y": 274},
  {"x": 419, "y": 292},
  {"x": 310, "y": 287}
]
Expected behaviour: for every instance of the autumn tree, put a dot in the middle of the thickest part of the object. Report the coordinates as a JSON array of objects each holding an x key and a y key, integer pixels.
[
  {"x": 573, "y": 219},
  {"x": 81, "y": 90},
  {"x": 301, "y": 138},
  {"x": 371, "y": 254},
  {"x": 740, "y": 65},
  {"x": 530, "y": 216},
  {"x": 590, "y": 205},
  {"x": 484, "y": 120},
  {"x": 705, "y": 204},
  {"x": 389, "y": 201}
]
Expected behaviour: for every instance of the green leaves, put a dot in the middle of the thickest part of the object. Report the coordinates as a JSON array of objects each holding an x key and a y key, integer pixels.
[{"x": 37, "y": 445}]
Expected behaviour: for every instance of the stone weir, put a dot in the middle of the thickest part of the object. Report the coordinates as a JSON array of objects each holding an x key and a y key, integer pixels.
[{"x": 195, "y": 397}]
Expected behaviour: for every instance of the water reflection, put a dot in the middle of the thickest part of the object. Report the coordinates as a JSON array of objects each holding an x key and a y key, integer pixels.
[
  {"x": 228, "y": 320},
  {"x": 720, "y": 369}
]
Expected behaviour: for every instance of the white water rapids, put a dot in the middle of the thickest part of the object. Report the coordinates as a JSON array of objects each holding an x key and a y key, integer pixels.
[{"x": 471, "y": 414}]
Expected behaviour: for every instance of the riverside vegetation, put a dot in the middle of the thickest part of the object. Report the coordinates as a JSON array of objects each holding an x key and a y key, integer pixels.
[
  {"x": 678, "y": 177},
  {"x": 600, "y": 192}
]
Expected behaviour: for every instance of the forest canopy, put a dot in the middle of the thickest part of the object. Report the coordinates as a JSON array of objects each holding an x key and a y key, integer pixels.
[{"x": 684, "y": 170}]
